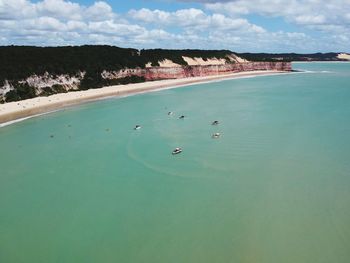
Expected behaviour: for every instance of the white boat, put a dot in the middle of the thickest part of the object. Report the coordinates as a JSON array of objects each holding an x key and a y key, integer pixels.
[
  {"x": 137, "y": 127},
  {"x": 215, "y": 123},
  {"x": 170, "y": 113},
  {"x": 177, "y": 150},
  {"x": 215, "y": 135}
]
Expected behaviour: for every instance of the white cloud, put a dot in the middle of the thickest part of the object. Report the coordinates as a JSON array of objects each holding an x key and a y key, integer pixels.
[
  {"x": 149, "y": 16},
  {"x": 110, "y": 27},
  {"x": 59, "y": 22},
  {"x": 99, "y": 11},
  {"x": 301, "y": 12},
  {"x": 16, "y": 9},
  {"x": 46, "y": 23},
  {"x": 183, "y": 17},
  {"x": 194, "y": 19},
  {"x": 76, "y": 25},
  {"x": 221, "y": 26},
  {"x": 59, "y": 9}
]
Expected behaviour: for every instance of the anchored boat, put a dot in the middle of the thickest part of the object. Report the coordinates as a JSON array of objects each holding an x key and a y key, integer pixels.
[
  {"x": 215, "y": 135},
  {"x": 177, "y": 150}
]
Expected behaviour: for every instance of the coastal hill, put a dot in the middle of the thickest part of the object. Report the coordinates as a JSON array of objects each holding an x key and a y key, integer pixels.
[
  {"x": 20, "y": 62},
  {"x": 27, "y": 72}
]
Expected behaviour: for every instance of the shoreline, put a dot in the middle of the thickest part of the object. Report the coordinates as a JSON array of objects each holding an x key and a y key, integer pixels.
[
  {"x": 13, "y": 112},
  {"x": 320, "y": 61}
]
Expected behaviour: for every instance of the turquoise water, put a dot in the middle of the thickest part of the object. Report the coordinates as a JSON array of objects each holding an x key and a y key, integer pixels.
[{"x": 81, "y": 185}]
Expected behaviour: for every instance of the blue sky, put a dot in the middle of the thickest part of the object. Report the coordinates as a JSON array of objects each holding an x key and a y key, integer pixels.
[{"x": 240, "y": 25}]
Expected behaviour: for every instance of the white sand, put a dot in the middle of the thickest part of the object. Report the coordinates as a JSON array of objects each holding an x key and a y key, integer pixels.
[
  {"x": 166, "y": 63},
  {"x": 21, "y": 109},
  {"x": 238, "y": 59},
  {"x": 198, "y": 61},
  {"x": 344, "y": 56},
  {"x": 202, "y": 62},
  {"x": 212, "y": 61}
]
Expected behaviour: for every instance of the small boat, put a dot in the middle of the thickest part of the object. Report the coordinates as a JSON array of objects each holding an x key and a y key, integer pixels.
[
  {"x": 215, "y": 135},
  {"x": 177, "y": 150},
  {"x": 215, "y": 123},
  {"x": 170, "y": 113},
  {"x": 182, "y": 117},
  {"x": 137, "y": 127}
]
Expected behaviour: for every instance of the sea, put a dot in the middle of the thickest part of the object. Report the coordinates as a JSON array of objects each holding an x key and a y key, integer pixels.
[{"x": 82, "y": 185}]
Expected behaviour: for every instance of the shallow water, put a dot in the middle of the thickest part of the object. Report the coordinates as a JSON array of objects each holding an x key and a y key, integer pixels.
[{"x": 81, "y": 185}]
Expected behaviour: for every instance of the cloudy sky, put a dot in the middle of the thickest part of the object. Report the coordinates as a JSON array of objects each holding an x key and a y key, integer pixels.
[{"x": 239, "y": 25}]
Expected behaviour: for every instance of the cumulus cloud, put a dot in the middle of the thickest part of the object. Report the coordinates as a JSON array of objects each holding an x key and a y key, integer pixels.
[
  {"x": 194, "y": 19},
  {"x": 98, "y": 11},
  {"x": 302, "y": 12},
  {"x": 57, "y": 22},
  {"x": 64, "y": 22},
  {"x": 218, "y": 25},
  {"x": 58, "y": 8},
  {"x": 330, "y": 17}
]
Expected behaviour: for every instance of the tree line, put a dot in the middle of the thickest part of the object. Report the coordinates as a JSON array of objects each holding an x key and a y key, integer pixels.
[{"x": 20, "y": 62}]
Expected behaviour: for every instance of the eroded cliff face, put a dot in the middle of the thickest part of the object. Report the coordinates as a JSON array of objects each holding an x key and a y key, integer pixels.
[
  {"x": 156, "y": 73},
  {"x": 63, "y": 83},
  {"x": 47, "y": 80},
  {"x": 41, "y": 83},
  {"x": 5, "y": 88}
]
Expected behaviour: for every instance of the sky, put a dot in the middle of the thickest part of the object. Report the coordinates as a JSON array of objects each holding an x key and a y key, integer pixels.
[{"x": 275, "y": 26}]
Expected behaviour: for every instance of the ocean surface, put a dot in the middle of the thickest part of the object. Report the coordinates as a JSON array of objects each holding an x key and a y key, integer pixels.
[{"x": 81, "y": 185}]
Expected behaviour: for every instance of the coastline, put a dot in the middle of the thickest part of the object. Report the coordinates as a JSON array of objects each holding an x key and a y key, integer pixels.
[
  {"x": 12, "y": 112},
  {"x": 320, "y": 61}
]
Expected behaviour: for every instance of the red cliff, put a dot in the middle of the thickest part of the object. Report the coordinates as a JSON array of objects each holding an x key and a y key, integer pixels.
[{"x": 155, "y": 73}]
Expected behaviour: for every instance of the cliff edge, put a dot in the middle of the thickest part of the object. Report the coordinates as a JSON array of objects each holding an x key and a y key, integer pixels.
[{"x": 28, "y": 72}]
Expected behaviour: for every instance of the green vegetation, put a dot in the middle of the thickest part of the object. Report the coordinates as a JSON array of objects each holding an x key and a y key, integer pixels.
[
  {"x": 20, "y": 92},
  {"x": 122, "y": 81},
  {"x": 92, "y": 79},
  {"x": 20, "y": 62},
  {"x": 47, "y": 91}
]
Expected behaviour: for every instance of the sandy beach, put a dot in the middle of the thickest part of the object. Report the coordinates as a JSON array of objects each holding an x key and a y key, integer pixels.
[{"x": 21, "y": 109}]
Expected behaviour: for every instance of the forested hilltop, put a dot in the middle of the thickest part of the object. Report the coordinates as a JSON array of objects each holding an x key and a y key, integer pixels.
[
  {"x": 19, "y": 62},
  {"x": 27, "y": 71},
  {"x": 79, "y": 67},
  {"x": 291, "y": 57}
]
